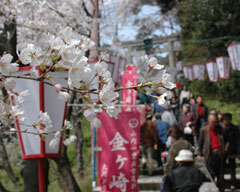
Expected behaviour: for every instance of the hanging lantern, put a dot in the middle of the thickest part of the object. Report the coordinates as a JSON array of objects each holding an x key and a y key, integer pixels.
[
  {"x": 201, "y": 73},
  {"x": 179, "y": 66},
  {"x": 185, "y": 72},
  {"x": 196, "y": 71},
  {"x": 116, "y": 61},
  {"x": 212, "y": 71},
  {"x": 190, "y": 73},
  {"x": 43, "y": 98},
  {"x": 234, "y": 54},
  {"x": 223, "y": 64}
]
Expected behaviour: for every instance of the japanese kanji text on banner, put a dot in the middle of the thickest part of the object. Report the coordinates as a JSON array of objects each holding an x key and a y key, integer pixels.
[{"x": 118, "y": 159}]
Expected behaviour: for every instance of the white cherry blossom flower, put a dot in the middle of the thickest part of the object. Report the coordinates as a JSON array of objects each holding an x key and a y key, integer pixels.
[
  {"x": 54, "y": 143},
  {"x": 64, "y": 96},
  {"x": 68, "y": 53},
  {"x": 12, "y": 129},
  {"x": 97, "y": 123},
  {"x": 56, "y": 43},
  {"x": 15, "y": 111},
  {"x": 113, "y": 111},
  {"x": 161, "y": 99},
  {"x": 10, "y": 83},
  {"x": 58, "y": 87},
  {"x": 67, "y": 35},
  {"x": 101, "y": 68},
  {"x": 45, "y": 120},
  {"x": 153, "y": 63},
  {"x": 27, "y": 54},
  {"x": 71, "y": 139},
  {"x": 14, "y": 67},
  {"x": 67, "y": 124},
  {"x": 79, "y": 71},
  {"x": 22, "y": 95},
  {"x": 107, "y": 95},
  {"x": 5, "y": 64},
  {"x": 57, "y": 134},
  {"x": 166, "y": 81},
  {"x": 89, "y": 114}
]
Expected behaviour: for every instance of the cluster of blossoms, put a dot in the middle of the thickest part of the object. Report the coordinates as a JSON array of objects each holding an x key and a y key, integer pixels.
[{"x": 65, "y": 53}]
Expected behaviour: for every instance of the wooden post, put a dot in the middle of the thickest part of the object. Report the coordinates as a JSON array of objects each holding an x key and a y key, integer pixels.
[
  {"x": 94, "y": 10},
  {"x": 41, "y": 179},
  {"x": 171, "y": 55}
]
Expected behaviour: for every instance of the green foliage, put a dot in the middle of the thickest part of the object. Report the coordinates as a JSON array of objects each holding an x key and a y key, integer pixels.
[
  {"x": 222, "y": 90},
  {"x": 225, "y": 107},
  {"x": 207, "y": 28},
  {"x": 206, "y": 19}
]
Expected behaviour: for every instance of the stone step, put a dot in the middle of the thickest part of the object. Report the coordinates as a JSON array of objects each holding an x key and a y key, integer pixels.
[{"x": 152, "y": 183}]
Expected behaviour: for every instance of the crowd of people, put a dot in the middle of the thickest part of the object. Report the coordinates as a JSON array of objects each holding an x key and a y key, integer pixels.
[{"x": 184, "y": 131}]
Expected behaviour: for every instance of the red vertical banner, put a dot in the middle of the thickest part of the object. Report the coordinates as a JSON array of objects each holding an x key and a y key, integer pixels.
[
  {"x": 119, "y": 140},
  {"x": 129, "y": 96}
]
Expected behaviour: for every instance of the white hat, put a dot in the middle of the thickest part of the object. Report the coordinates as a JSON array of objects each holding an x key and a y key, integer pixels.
[{"x": 184, "y": 155}]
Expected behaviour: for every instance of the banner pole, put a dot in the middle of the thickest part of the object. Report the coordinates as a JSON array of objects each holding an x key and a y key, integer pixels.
[
  {"x": 41, "y": 180},
  {"x": 94, "y": 145}
]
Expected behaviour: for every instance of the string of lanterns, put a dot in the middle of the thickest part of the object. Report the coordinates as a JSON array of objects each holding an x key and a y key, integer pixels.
[{"x": 220, "y": 68}]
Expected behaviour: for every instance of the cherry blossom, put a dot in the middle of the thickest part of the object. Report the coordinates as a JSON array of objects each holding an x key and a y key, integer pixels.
[
  {"x": 153, "y": 63},
  {"x": 89, "y": 114},
  {"x": 10, "y": 83},
  {"x": 64, "y": 96},
  {"x": 71, "y": 139},
  {"x": 45, "y": 120},
  {"x": 5, "y": 64},
  {"x": 107, "y": 95},
  {"x": 22, "y": 95},
  {"x": 166, "y": 81},
  {"x": 161, "y": 99},
  {"x": 96, "y": 123},
  {"x": 28, "y": 53}
]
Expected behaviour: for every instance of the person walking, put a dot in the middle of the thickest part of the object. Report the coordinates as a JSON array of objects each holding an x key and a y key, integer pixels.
[
  {"x": 148, "y": 142},
  {"x": 162, "y": 128},
  {"x": 168, "y": 116},
  {"x": 187, "y": 123},
  {"x": 179, "y": 143},
  {"x": 211, "y": 140},
  {"x": 230, "y": 143},
  {"x": 201, "y": 113},
  {"x": 184, "y": 95},
  {"x": 185, "y": 178}
]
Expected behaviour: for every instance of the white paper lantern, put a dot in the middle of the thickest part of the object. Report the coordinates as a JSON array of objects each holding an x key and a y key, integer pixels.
[
  {"x": 179, "y": 66},
  {"x": 43, "y": 98},
  {"x": 201, "y": 74},
  {"x": 234, "y": 54},
  {"x": 212, "y": 71},
  {"x": 196, "y": 71},
  {"x": 116, "y": 61},
  {"x": 223, "y": 64},
  {"x": 190, "y": 73},
  {"x": 185, "y": 72}
]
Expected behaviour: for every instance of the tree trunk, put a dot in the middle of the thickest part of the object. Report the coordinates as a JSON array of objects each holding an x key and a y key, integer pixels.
[
  {"x": 5, "y": 162},
  {"x": 68, "y": 180},
  {"x": 77, "y": 126},
  {"x": 30, "y": 175},
  {"x": 2, "y": 188},
  {"x": 64, "y": 169}
]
